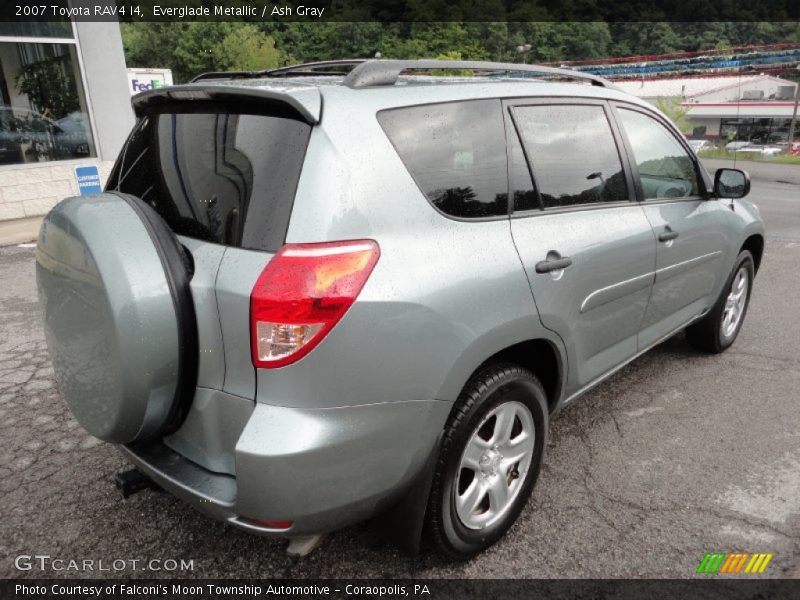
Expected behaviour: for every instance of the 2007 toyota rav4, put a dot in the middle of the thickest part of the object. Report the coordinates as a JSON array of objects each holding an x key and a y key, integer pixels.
[{"x": 315, "y": 294}]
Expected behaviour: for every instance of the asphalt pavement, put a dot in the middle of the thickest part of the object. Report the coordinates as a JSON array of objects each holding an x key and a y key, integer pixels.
[{"x": 677, "y": 455}]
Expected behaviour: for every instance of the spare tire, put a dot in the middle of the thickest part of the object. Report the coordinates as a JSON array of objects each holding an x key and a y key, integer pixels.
[{"x": 119, "y": 319}]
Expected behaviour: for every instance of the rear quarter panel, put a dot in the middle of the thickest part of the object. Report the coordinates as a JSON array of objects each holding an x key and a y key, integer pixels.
[{"x": 444, "y": 296}]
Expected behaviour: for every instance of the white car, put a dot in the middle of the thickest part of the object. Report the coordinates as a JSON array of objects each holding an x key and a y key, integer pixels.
[
  {"x": 736, "y": 146},
  {"x": 762, "y": 150},
  {"x": 698, "y": 145},
  {"x": 771, "y": 150}
]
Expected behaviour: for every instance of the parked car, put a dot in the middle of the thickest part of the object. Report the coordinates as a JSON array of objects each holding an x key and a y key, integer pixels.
[
  {"x": 698, "y": 145},
  {"x": 736, "y": 146},
  {"x": 72, "y": 135},
  {"x": 26, "y": 136},
  {"x": 771, "y": 150},
  {"x": 762, "y": 150},
  {"x": 296, "y": 319}
]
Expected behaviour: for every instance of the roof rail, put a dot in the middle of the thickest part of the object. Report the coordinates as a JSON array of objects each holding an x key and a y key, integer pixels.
[
  {"x": 370, "y": 73},
  {"x": 309, "y": 68}
]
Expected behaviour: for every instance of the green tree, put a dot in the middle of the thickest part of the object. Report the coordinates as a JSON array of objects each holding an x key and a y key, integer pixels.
[
  {"x": 327, "y": 41},
  {"x": 191, "y": 48},
  {"x": 645, "y": 38},
  {"x": 672, "y": 108},
  {"x": 453, "y": 55},
  {"x": 424, "y": 40},
  {"x": 246, "y": 49},
  {"x": 152, "y": 45},
  {"x": 197, "y": 49},
  {"x": 49, "y": 87}
]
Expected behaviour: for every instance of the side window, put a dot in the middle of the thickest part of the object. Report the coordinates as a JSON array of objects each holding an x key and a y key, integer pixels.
[
  {"x": 573, "y": 154},
  {"x": 456, "y": 152},
  {"x": 665, "y": 168},
  {"x": 523, "y": 193}
]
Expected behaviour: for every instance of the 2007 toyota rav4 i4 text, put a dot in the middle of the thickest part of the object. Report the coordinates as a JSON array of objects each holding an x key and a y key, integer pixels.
[{"x": 316, "y": 294}]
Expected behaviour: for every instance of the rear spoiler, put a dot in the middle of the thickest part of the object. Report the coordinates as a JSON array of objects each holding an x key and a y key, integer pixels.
[{"x": 305, "y": 101}]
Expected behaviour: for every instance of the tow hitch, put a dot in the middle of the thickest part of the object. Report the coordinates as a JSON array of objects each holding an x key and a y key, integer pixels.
[{"x": 133, "y": 481}]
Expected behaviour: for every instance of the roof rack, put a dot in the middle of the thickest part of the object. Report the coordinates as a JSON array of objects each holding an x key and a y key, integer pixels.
[
  {"x": 309, "y": 68},
  {"x": 370, "y": 73},
  {"x": 374, "y": 72}
]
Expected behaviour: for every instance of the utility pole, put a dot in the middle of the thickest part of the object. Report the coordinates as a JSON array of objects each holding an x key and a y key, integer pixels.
[{"x": 794, "y": 112}]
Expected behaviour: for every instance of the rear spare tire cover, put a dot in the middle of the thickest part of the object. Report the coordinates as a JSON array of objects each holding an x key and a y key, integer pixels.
[{"x": 118, "y": 316}]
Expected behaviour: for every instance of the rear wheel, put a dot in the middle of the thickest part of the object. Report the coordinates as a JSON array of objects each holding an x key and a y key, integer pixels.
[
  {"x": 717, "y": 331},
  {"x": 491, "y": 454}
]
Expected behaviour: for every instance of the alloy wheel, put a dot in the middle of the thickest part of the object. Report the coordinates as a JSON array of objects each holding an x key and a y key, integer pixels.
[
  {"x": 735, "y": 303},
  {"x": 494, "y": 464}
]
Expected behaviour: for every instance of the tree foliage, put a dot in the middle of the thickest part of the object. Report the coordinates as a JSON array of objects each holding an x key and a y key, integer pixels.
[
  {"x": 191, "y": 48},
  {"x": 50, "y": 87},
  {"x": 246, "y": 48},
  {"x": 672, "y": 107}
]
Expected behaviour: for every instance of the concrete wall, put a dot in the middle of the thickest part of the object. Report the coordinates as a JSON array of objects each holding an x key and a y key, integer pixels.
[{"x": 32, "y": 189}]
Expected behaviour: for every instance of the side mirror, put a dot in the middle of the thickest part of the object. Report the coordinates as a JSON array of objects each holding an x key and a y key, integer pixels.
[{"x": 731, "y": 183}]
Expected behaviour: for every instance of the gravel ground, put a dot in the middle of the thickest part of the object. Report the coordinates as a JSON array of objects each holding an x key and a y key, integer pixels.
[{"x": 677, "y": 455}]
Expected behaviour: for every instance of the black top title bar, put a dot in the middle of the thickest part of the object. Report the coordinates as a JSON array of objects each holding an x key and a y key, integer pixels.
[{"x": 401, "y": 10}]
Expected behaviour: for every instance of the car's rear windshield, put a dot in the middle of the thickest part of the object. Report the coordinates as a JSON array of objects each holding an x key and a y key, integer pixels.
[{"x": 216, "y": 175}]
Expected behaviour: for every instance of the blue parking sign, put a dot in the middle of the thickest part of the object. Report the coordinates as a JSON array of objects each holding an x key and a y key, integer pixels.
[{"x": 88, "y": 181}]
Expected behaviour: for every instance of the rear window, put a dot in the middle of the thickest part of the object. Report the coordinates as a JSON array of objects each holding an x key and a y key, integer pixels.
[
  {"x": 456, "y": 152},
  {"x": 573, "y": 154},
  {"x": 218, "y": 176}
]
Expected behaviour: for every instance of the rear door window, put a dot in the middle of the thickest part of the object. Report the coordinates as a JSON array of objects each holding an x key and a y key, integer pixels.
[
  {"x": 219, "y": 176},
  {"x": 456, "y": 152},
  {"x": 573, "y": 154}
]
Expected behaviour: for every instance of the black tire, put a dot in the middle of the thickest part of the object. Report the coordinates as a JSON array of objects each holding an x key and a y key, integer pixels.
[
  {"x": 489, "y": 388},
  {"x": 707, "y": 334}
]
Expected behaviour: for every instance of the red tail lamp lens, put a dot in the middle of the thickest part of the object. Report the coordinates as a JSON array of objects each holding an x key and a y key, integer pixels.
[
  {"x": 302, "y": 293},
  {"x": 274, "y": 524}
]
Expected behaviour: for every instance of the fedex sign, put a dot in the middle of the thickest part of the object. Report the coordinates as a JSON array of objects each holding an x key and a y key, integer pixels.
[
  {"x": 142, "y": 80},
  {"x": 143, "y": 86}
]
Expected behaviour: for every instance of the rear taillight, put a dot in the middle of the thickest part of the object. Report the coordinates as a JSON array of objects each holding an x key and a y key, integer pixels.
[
  {"x": 302, "y": 293},
  {"x": 271, "y": 524}
]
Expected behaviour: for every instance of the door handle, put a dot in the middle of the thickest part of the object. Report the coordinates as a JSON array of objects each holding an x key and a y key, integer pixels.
[
  {"x": 545, "y": 266},
  {"x": 667, "y": 235}
]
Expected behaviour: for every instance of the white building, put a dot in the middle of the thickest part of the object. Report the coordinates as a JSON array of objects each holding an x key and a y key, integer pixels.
[
  {"x": 80, "y": 119},
  {"x": 747, "y": 107}
]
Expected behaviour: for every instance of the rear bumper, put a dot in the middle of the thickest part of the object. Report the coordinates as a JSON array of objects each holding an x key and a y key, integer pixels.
[
  {"x": 211, "y": 493},
  {"x": 322, "y": 469}
]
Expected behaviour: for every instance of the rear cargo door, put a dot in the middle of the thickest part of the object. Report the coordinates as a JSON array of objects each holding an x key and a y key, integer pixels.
[{"x": 222, "y": 174}]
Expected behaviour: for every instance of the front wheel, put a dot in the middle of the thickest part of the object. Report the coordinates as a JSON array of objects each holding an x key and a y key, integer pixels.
[
  {"x": 718, "y": 329},
  {"x": 491, "y": 454}
]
